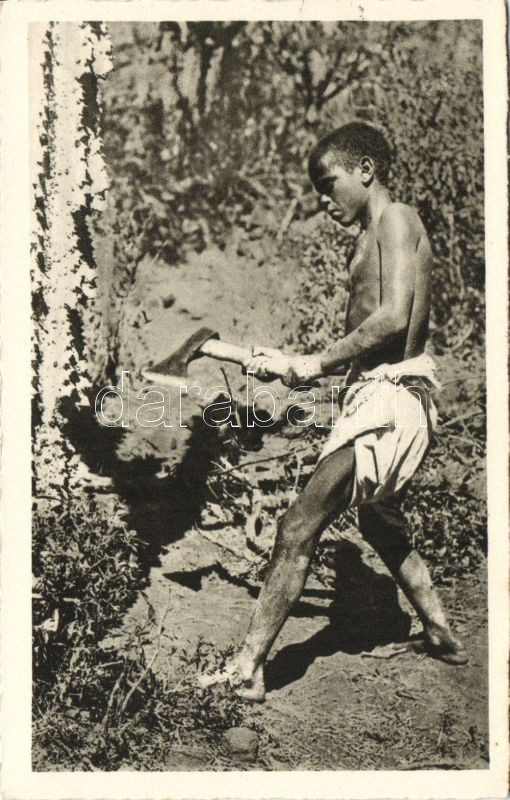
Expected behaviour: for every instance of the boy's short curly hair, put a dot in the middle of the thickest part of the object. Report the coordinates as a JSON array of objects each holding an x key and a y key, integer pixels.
[{"x": 347, "y": 145}]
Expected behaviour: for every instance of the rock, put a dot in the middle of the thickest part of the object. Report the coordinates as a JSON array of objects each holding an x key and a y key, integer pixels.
[
  {"x": 243, "y": 742},
  {"x": 189, "y": 758}
]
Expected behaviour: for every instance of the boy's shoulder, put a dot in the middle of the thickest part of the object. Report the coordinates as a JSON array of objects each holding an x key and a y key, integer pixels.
[{"x": 399, "y": 217}]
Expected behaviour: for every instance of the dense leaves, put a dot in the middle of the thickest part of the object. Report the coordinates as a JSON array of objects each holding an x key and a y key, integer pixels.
[{"x": 85, "y": 572}]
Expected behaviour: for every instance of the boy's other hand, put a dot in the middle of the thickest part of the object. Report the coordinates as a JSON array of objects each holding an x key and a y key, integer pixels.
[{"x": 267, "y": 363}]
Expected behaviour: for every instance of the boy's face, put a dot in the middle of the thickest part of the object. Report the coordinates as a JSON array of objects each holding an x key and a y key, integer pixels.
[{"x": 342, "y": 193}]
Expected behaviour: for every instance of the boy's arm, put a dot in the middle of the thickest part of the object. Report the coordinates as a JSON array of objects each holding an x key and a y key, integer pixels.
[{"x": 397, "y": 239}]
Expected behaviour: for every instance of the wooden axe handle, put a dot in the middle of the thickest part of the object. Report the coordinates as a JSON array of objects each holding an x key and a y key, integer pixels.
[
  {"x": 165, "y": 372},
  {"x": 224, "y": 351}
]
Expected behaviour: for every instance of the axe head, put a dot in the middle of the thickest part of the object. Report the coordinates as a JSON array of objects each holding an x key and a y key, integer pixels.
[{"x": 174, "y": 368}]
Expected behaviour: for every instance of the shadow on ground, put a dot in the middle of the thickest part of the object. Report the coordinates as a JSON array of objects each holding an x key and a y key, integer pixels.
[
  {"x": 161, "y": 509},
  {"x": 365, "y": 613}
]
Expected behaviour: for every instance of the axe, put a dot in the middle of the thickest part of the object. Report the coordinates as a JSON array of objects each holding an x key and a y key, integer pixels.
[{"x": 173, "y": 370}]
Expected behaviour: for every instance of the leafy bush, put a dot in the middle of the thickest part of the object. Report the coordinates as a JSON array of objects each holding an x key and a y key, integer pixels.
[
  {"x": 98, "y": 703},
  {"x": 144, "y": 718},
  {"x": 447, "y": 526},
  {"x": 433, "y": 112},
  {"x": 86, "y": 572},
  {"x": 447, "y": 504}
]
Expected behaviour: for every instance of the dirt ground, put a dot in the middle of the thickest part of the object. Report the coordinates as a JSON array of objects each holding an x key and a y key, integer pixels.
[
  {"x": 335, "y": 699},
  {"x": 339, "y": 695}
]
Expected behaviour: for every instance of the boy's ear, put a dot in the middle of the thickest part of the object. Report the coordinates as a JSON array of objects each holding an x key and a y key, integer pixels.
[{"x": 367, "y": 168}]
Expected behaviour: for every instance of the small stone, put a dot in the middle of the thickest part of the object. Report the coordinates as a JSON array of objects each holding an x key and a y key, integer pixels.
[{"x": 242, "y": 741}]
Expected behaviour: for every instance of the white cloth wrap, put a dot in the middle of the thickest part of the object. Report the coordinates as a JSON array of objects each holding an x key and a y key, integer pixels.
[{"x": 389, "y": 415}]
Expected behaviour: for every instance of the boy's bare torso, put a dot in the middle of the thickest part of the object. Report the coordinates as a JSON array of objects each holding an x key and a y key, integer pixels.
[{"x": 365, "y": 292}]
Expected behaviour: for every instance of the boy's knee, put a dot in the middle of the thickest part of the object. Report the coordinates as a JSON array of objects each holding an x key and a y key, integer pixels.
[
  {"x": 384, "y": 528},
  {"x": 295, "y": 531},
  {"x": 382, "y": 519}
]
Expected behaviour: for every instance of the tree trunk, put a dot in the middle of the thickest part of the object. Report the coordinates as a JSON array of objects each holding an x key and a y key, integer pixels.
[{"x": 69, "y": 182}]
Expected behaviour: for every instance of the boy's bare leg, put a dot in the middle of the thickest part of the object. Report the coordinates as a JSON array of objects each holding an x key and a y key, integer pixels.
[
  {"x": 327, "y": 493},
  {"x": 414, "y": 580},
  {"x": 383, "y": 526}
]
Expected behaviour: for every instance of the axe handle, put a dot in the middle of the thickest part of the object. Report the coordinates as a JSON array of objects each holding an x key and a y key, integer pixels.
[{"x": 224, "y": 351}]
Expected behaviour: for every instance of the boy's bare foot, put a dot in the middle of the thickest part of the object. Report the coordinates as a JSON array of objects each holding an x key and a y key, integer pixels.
[
  {"x": 248, "y": 686},
  {"x": 441, "y": 645}
]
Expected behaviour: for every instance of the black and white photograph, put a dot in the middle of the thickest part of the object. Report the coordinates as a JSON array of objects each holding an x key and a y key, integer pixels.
[{"x": 258, "y": 345}]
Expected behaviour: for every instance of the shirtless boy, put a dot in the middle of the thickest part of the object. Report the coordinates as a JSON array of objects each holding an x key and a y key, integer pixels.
[{"x": 387, "y": 322}]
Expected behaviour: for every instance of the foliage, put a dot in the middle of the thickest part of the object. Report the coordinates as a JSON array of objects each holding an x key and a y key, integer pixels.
[
  {"x": 446, "y": 504},
  {"x": 447, "y": 525},
  {"x": 97, "y": 701},
  {"x": 78, "y": 553},
  {"x": 86, "y": 572},
  {"x": 115, "y": 728},
  {"x": 433, "y": 111},
  {"x": 320, "y": 303}
]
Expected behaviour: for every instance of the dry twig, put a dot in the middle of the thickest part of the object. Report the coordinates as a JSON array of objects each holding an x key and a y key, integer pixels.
[{"x": 277, "y": 457}]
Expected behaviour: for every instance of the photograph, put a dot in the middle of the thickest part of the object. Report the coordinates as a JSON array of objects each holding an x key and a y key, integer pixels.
[{"x": 260, "y": 383}]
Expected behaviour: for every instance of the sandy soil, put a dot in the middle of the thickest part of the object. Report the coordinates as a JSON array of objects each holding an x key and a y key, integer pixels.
[{"x": 335, "y": 700}]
